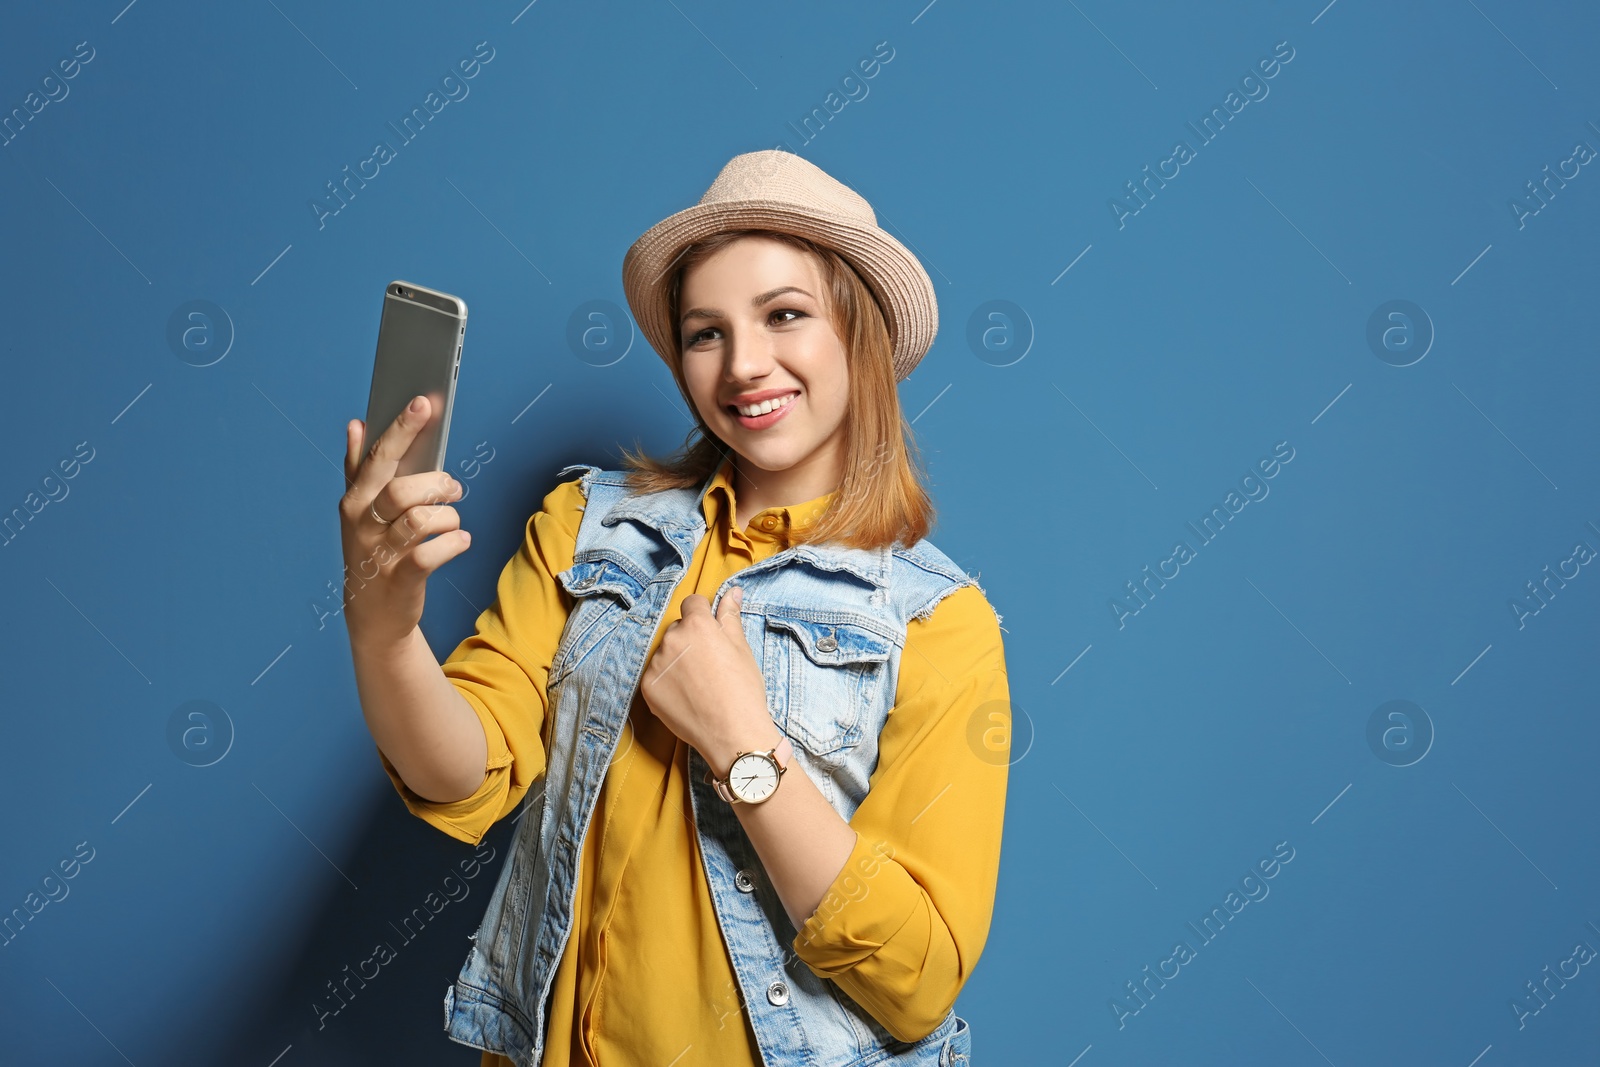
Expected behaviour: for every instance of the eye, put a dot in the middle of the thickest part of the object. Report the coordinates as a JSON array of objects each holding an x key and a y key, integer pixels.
[
  {"x": 694, "y": 338},
  {"x": 789, "y": 311}
]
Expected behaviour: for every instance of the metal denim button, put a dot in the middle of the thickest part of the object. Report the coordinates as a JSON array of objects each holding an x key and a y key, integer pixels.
[
  {"x": 742, "y": 880},
  {"x": 827, "y": 643},
  {"x": 584, "y": 583},
  {"x": 778, "y": 992}
]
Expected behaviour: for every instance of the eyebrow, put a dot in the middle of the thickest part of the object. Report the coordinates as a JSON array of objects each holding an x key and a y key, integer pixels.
[{"x": 755, "y": 302}]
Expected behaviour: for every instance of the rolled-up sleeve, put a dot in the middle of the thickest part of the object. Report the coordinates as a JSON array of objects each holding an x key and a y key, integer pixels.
[
  {"x": 502, "y": 669},
  {"x": 902, "y": 925}
]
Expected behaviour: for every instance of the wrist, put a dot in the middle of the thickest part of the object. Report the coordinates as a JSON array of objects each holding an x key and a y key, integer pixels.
[
  {"x": 379, "y": 651},
  {"x": 759, "y": 735}
]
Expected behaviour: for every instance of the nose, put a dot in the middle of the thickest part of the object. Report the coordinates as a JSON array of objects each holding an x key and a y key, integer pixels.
[{"x": 747, "y": 355}]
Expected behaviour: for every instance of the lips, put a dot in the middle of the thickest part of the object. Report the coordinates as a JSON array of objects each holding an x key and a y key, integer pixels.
[
  {"x": 761, "y": 422},
  {"x": 765, "y": 395}
]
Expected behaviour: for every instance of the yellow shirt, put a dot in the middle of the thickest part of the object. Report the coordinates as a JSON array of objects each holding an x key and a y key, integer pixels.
[{"x": 645, "y": 976}]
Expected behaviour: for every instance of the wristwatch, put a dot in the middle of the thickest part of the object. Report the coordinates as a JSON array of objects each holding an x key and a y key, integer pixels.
[{"x": 754, "y": 776}]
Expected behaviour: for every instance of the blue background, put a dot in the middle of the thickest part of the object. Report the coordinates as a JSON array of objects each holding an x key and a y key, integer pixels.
[{"x": 196, "y": 556}]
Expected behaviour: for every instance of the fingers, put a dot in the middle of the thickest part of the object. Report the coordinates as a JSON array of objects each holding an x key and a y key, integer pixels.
[
  {"x": 353, "y": 432},
  {"x": 402, "y": 552},
  {"x": 729, "y": 607},
  {"x": 418, "y": 522},
  {"x": 383, "y": 457},
  {"x": 414, "y": 490},
  {"x": 435, "y": 553}
]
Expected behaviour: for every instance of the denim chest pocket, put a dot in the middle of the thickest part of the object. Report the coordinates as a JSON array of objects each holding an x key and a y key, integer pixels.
[
  {"x": 828, "y": 669},
  {"x": 603, "y": 592}
]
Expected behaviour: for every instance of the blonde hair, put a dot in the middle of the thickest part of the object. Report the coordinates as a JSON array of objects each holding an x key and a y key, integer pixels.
[{"x": 882, "y": 499}]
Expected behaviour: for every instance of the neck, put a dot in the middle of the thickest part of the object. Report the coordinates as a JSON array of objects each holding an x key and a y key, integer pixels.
[{"x": 756, "y": 489}]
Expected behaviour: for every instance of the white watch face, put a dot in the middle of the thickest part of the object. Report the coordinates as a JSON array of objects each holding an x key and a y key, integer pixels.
[{"x": 753, "y": 778}]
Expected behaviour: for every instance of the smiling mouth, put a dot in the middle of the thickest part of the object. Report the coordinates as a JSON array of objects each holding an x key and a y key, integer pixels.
[
  {"x": 769, "y": 415},
  {"x": 764, "y": 407}
]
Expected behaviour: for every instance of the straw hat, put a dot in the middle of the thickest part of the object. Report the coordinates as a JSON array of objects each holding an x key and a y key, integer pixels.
[{"x": 777, "y": 190}]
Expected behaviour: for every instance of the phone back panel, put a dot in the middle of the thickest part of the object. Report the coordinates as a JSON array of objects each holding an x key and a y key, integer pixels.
[{"x": 419, "y": 353}]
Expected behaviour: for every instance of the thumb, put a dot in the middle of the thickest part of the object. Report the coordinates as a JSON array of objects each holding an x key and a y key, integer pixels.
[{"x": 728, "y": 612}]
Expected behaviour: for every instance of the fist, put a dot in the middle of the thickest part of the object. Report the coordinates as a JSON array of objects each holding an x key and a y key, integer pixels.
[{"x": 703, "y": 681}]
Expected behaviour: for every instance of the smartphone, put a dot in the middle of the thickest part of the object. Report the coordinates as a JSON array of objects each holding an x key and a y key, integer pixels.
[{"x": 420, "y": 336}]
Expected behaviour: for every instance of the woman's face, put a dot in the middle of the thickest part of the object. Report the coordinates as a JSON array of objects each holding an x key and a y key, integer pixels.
[{"x": 755, "y": 323}]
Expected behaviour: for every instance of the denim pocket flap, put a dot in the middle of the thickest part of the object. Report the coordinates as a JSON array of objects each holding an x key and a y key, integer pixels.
[
  {"x": 834, "y": 643},
  {"x": 604, "y": 591},
  {"x": 602, "y": 576}
]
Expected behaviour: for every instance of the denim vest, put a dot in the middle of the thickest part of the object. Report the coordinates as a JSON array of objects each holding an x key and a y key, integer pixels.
[{"x": 827, "y": 623}]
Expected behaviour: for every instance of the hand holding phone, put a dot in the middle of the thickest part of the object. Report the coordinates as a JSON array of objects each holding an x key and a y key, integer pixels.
[
  {"x": 396, "y": 487},
  {"x": 383, "y": 520}
]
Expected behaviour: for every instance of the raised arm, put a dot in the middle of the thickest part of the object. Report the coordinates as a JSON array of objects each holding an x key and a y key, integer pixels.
[
  {"x": 385, "y": 523},
  {"x": 500, "y": 672},
  {"x": 463, "y": 741}
]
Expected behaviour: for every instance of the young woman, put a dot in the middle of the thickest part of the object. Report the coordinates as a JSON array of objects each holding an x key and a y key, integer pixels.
[{"x": 754, "y": 724}]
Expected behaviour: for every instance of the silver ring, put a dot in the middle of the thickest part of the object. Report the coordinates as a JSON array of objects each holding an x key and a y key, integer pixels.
[{"x": 374, "y": 508}]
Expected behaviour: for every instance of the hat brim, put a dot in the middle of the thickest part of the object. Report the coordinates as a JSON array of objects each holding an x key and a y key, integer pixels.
[{"x": 899, "y": 283}]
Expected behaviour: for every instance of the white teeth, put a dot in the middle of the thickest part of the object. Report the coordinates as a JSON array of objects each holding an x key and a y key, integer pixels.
[{"x": 765, "y": 406}]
